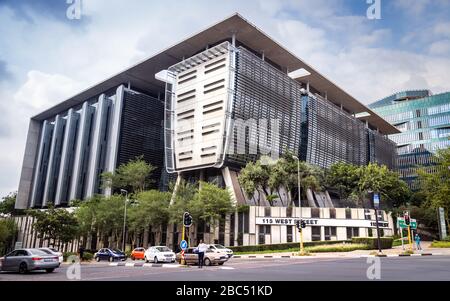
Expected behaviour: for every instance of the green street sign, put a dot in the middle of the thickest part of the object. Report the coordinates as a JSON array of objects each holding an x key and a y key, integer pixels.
[{"x": 401, "y": 223}]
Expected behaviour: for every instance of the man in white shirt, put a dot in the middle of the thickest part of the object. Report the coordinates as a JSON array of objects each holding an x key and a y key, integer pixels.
[{"x": 201, "y": 253}]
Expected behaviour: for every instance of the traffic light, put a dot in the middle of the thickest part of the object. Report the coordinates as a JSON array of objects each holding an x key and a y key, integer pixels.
[
  {"x": 187, "y": 219},
  {"x": 407, "y": 219},
  {"x": 297, "y": 223},
  {"x": 303, "y": 224}
]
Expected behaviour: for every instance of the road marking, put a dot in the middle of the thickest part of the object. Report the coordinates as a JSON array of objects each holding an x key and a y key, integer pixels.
[
  {"x": 227, "y": 268},
  {"x": 114, "y": 264}
]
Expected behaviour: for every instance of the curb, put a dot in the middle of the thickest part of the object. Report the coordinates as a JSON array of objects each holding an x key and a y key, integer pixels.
[
  {"x": 140, "y": 265},
  {"x": 356, "y": 256}
]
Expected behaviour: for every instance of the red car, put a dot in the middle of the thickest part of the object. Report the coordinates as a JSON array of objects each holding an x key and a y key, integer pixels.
[{"x": 138, "y": 253}]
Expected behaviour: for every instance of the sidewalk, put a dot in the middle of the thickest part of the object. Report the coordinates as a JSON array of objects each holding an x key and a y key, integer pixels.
[{"x": 395, "y": 251}]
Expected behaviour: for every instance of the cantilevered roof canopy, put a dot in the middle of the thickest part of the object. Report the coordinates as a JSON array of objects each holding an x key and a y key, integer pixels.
[{"x": 142, "y": 75}]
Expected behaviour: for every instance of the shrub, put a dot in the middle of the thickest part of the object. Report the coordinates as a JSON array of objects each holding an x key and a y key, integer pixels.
[
  {"x": 372, "y": 242},
  {"x": 87, "y": 256},
  {"x": 440, "y": 244},
  {"x": 66, "y": 255},
  {"x": 337, "y": 248},
  {"x": 284, "y": 246}
]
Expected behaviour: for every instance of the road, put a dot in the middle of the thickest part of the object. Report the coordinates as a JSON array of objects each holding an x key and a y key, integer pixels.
[{"x": 341, "y": 269}]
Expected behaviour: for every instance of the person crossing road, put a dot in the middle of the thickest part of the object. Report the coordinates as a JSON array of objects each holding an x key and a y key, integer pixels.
[{"x": 202, "y": 247}]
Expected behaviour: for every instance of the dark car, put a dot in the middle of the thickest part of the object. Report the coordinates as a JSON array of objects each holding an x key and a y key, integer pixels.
[
  {"x": 25, "y": 260},
  {"x": 110, "y": 255}
]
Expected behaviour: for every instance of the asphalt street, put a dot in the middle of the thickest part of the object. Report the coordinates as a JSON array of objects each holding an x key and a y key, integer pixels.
[{"x": 425, "y": 268}]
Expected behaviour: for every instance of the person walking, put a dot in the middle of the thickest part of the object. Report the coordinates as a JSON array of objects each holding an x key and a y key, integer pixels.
[
  {"x": 417, "y": 239},
  {"x": 81, "y": 252},
  {"x": 202, "y": 247}
]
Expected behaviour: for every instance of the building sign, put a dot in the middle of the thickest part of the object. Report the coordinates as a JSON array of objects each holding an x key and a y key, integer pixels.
[
  {"x": 412, "y": 223},
  {"x": 442, "y": 226},
  {"x": 331, "y": 222}
]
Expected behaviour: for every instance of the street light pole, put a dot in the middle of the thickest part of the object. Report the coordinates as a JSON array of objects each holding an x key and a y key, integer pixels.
[
  {"x": 124, "y": 217},
  {"x": 299, "y": 203}
]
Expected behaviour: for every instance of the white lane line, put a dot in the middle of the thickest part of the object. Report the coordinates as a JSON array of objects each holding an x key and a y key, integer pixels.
[
  {"x": 227, "y": 268},
  {"x": 114, "y": 264},
  {"x": 129, "y": 264},
  {"x": 171, "y": 266}
]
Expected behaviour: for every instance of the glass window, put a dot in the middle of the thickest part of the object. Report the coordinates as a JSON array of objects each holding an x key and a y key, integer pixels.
[
  {"x": 315, "y": 212},
  {"x": 315, "y": 233},
  {"x": 289, "y": 232},
  {"x": 329, "y": 232},
  {"x": 348, "y": 213},
  {"x": 266, "y": 211},
  {"x": 332, "y": 213}
]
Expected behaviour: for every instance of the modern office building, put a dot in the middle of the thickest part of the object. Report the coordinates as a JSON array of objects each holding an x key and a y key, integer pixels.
[
  {"x": 202, "y": 109},
  {"x": 424, "y": 122}
]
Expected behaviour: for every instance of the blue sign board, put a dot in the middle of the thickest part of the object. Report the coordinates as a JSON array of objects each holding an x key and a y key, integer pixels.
[
  {"x": 184, "y": 245},
  {"x": 376, "y": 200}
]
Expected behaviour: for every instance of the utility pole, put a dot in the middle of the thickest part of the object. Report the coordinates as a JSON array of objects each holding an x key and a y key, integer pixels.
[
  {"x": 302, "y": 250},
  {"x": 124, "y": 218}
]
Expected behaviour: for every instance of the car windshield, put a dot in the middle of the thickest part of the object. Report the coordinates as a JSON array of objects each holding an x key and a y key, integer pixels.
[
  {"x": 37, "y": 252},
  {"x": 219, "y": 247},
  {"x": 163, "y": 249},
  {"x": 116, "y": 251}
]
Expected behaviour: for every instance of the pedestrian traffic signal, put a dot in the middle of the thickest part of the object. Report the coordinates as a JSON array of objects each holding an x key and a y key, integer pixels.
[
  {"x": 297, "y": 223},
  {"x": 187, "y": 219}
]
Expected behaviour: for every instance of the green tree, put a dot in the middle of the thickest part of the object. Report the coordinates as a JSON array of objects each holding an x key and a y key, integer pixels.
[
  {"x": 150, "y": 210},
  {"x": 211, "y": 203},
  {"x": 435, "y": 187},
  {"x": 255, "y": 177},
  {"x": 344, "y": 177},
  {"x": 8, "y": 202},
  {"x": 133, "y": 176},
  {"x": 8, "y": 229},
  {"x": 184, "y": 194},
  {"x": 58, "y": 225}
]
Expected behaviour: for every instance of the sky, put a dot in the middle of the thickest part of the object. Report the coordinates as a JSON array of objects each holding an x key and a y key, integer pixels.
[{"x": 46, "y": 57}]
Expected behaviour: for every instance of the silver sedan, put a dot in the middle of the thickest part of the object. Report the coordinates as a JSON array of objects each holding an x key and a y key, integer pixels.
[{"x": 25, "y": 260}]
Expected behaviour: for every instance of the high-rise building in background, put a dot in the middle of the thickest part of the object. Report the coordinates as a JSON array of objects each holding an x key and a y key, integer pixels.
[{"x": 424, "y": 122}]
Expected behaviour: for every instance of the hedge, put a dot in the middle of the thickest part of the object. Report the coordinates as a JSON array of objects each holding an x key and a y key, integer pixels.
[
  {"x": 372, "y": 242},
  {"x": 284, "y": 246},
  {"x": 87, "y": 256}
]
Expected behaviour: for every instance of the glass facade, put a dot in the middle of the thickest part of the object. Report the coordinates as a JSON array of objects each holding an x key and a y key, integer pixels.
[{"x": 424, "y": 122}]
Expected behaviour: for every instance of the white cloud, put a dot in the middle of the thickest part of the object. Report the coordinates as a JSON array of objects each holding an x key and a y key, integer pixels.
[
  {"x": 42, "y": 90},
  {"x": 440, "y": 47}
]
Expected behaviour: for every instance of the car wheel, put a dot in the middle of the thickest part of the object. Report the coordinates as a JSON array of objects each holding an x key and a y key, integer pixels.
[
  {"x": 97, "y": 259},
  {"x": 207, "y": 262},
  {"x": 111, "y": 259},
  {"x": 132, "y": 257},
  {"x": 49, "y": 270},
  {"x": 221, "y": 263},
  {"x": 23, "y": 268},
  {"x": 145, "y": 259},
  {"x": 155, "y": 260}
]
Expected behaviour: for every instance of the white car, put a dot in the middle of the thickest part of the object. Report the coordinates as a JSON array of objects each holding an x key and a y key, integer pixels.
[
  {"x": 159, "y": 254},
  {"x": 216, "y": 248},
  {"x": 55, "y": 252}
]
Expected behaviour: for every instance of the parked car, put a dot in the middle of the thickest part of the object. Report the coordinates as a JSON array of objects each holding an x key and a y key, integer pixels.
[
  {"x": 159, "y": 254},
  {"x": 110, "y": 255},
  {"x": 25, "y": 260},
  {"x": 210, "y": 258},
  {"x": 217, "y": 248},
  {"x": 138, "y": 253},
  {"x": 55, "y": 252}
]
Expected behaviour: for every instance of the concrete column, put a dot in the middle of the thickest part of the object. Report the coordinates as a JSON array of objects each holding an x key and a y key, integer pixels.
[
  {"x": 28, "y": 167},
  {"x": 66, "y": 156},
  {"x": 96, "y": 149},
  {"x": 41, "y": 164},
  {"x": 81, "y": 142},
  {"x": 114, "y": 136},
  {"x": 54, "y": 160}
]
